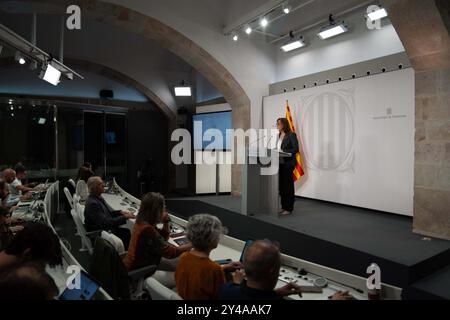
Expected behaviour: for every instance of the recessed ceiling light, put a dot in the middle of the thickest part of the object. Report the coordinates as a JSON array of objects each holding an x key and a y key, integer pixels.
[{"x": 183, "y": 91}]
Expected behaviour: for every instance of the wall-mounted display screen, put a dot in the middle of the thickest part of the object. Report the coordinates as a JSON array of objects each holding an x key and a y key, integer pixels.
[{"x": 209, "y": 140}]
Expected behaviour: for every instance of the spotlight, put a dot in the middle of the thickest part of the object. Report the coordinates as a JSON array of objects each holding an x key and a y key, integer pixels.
[
  {"x": 248, "y": 30},
  {"x": 377, "y": 14},
  {"x": 12, "y": 114},
  {"x": 332, "y": 30},
  {"x": 12, "y": 108},
  {"x": 19, "y": 58},
  {"x": 42, "y": 121},
  {"x": 235, "y": 37},
  {"x": 264, "y": 22},
  {"x": 286, "y": 8},
  {"x": 51, "y": 75},
  {"x": 183, "y": 90}
]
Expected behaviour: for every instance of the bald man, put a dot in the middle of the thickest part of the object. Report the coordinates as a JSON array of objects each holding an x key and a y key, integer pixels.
[
  {"x": 15, "y": 188},
  {"x": 262, "y": 262},
  {"x": 99, "y": 215}
]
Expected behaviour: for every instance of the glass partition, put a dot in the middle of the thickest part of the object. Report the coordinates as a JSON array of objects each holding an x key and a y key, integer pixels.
[
  {"x": 116, "y": 147},
  {"x": 27, "y": 135}
]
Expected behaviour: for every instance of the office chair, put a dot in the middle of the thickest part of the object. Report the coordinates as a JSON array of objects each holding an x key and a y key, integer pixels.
[{"x": 72, "y": 182}]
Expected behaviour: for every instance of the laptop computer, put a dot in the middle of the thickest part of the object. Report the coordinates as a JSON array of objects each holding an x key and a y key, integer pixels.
[{"x": 248, "y": 243}]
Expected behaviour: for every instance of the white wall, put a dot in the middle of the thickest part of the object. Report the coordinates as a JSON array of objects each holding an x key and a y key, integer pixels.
[
  {"x": 357, "y": 140},
  {"x": 360, "y": 44}
]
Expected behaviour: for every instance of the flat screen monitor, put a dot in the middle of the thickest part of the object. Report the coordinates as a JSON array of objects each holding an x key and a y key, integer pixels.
[
  {"x": 111, "y": 138},
  {"x": 221, "y": 122},
  {"x": 248, "y": 243}
]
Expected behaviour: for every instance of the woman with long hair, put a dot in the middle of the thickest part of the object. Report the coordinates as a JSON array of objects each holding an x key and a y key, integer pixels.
[{"x": 287, "y": 142}]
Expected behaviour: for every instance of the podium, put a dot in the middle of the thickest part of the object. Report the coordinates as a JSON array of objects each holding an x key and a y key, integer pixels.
[{"x": 260, "y": 193}]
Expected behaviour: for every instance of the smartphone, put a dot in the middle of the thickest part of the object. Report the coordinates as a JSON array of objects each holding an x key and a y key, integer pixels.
[{"x": 224, "y": 261}]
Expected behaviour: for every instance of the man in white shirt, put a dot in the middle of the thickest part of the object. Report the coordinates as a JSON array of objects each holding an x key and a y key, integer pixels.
[{"x": 17, "y": 191}]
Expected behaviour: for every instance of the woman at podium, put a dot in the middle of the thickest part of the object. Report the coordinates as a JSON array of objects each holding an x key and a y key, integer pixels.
[{"x": 287, "y": 142}]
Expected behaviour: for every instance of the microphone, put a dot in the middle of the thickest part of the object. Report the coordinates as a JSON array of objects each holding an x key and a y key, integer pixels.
[
  {"x": 257, "y": 140},
  {"x": 268, "y": 142}
]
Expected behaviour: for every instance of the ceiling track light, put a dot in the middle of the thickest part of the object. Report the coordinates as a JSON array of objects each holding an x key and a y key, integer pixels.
[
  {"x": 248, "y": 30},
  {"x": 293, "y": 44},
  {"x": 263, "y": 22},
  {"x": 286, "y": 8},
  {"x": 332, "y": 29},
  {"x": 235, "y": 37},
  {"x": 19, "y": 58},
  {"x": 50, "y": 74}
]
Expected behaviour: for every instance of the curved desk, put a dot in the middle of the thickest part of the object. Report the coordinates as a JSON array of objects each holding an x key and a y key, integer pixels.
[
  {"x": 231, "y": 248},
  {"x": 44, "y": 210}
]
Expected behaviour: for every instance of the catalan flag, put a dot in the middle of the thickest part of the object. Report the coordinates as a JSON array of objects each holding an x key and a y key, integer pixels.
[{"x": 298, "y": 170}]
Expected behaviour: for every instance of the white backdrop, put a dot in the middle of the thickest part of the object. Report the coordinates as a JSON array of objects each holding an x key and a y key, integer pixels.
[{"x": 357, "y": 140}]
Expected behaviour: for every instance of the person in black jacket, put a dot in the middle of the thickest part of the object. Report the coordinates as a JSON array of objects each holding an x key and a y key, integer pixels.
[
  {"x": 98, "y": 214},
  {"x": 288, "y": 143}
]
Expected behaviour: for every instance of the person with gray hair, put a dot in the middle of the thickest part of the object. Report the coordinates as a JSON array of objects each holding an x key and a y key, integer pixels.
[
  {"x": 198, "y": 277},
  {"x": 99, "y": 215},
  {"x": 262, "y": 262}
]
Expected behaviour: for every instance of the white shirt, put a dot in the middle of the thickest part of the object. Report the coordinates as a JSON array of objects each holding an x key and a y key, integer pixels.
[
  {"x": 279, "y": 144},
  {"x": 14, "y": 193}
]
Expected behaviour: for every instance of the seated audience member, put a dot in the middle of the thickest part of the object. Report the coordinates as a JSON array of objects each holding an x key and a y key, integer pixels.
[
  {"x": 36, "y": 242},
  {"x": 28, "y": 281},
  {"x": 262, "y": 262},
  {"x": 82, "y": 189},
  {"x": 6, "y": 234},
  {"x": 4, "y": 193},
  {"x": 148, "y": 243},
  {"x": 98, "y": 215},
  {"x": 89, "y": 166},
  {"x": 15, "y": 185},
  {"x": 198, "y": 277},
  {"x": 21, "y": 174}
]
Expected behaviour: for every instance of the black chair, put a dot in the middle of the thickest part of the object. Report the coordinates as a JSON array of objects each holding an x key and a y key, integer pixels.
[{"x": 108, "y": 269}]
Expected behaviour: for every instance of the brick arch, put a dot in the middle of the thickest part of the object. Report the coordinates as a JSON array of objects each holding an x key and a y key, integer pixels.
[
  {"x": 180, "y": 45},
  {"x": 123, "y": 79}
]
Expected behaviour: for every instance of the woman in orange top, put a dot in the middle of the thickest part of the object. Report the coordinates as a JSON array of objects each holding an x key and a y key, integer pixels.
[
  {"x": 148, "y": 243},
  {"x": 198, "y": 277}
]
